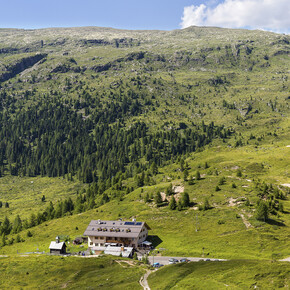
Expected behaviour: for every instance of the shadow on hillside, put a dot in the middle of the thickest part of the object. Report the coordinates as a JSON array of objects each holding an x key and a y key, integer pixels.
[
  {"x": 275, "y": 223},
  {"x": 192, "y": 204},
  {"x": 155, "y": 240}
]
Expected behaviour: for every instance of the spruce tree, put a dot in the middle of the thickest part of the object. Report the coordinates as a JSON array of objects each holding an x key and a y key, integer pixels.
[
  {"x": 17, "y": 225},
  {"x": 172, "y": 203},
  {"x": 185, "y": 199},
  {"x": 206, "y": 205},
  {"x": 262, "y": 211},
  {"x": 158, "y": 199},
  {"x": 197, "y": 175}
]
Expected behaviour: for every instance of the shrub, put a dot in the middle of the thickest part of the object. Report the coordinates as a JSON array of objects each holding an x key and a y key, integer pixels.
[
  {"x": 222, "y": 181},
  {"x": 239, "y": 173}
]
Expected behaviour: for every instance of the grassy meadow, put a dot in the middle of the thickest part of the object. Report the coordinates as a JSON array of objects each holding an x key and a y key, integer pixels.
[
  {"x": 24, "y": 194},
  {"x": 52, "y": 272},
  {"x": 171, "y": 81},
  {"x": 228, "y": 230},
  {"x": 235, "y": 274}
]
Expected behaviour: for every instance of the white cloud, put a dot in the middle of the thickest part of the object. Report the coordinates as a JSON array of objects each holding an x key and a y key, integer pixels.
[{"x": 258, "y": 14}]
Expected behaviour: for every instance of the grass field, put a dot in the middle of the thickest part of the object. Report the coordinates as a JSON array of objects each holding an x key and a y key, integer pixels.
[
  {"x": 238, "y": 79},
  {"x": 24, "y": 194},
  {"x": 234, "y": 274},
  {"x": 228, "y": 230},
  {"x": 52, "y": 272}
]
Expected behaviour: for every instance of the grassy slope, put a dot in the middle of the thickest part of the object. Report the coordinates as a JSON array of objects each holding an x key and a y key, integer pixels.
[
  {"x": 24, "y": 194},
  {"x": 228, "y": 239},
  {"x": 221, "y": 230},
  {"x": 222, "y": 275},
  {"x": 48, "y": 272}
]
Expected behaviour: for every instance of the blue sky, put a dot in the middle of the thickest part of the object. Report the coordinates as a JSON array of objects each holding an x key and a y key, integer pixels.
[
  {"x": 271, "y": 15},
  {"x": 128, "y": 14}
]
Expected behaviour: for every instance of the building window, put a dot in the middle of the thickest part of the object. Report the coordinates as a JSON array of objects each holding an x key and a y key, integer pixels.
[{"x": 91, "y": 243}]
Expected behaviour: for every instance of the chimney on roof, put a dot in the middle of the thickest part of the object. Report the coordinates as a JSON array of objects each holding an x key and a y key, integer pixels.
[
  {"x": 134, "y": 220},
  {"x": 99, "y": 222},
  {"x": 57, "y": 239}
]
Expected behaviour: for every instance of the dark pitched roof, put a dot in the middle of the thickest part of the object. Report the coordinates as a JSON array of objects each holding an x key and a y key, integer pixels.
[{"x": 122, "y": 229}]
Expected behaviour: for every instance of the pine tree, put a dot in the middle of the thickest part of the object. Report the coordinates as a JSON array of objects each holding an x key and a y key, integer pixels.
[
  {"x": 179, "y": 205},
  {"x": 146, "y": 198},
  {"x": 3, "y": 240},
  {"x": 6, "y": 226},
  {"x": 154, "y": 168},
  {"x": 18, "y": 239},
  {"x": 32, "y": 220},
  {"x": 185, "y": 201},
  {"x": 262, "y": 211},
  {"x": 206, "y": 205},
  {"x": 281, "y": 207},
  {"x": 185, "y": 174},
  {"x": 158, "y": 199},
  {"x": 197, "y": 175},
  {"x": 17, "y": 225},
  {"x": 172, "y": 203},
  {"x": 222, "y": 181},
  {"x": 169, "y": 190}
]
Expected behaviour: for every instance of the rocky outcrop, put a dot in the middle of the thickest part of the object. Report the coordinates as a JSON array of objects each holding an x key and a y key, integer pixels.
[
  {"x": 7, "y": 50},
  {"x": 66, "y": 67},
  {"x": 281, "y": 52},
  {"x": 101, "y": 68},
  {"x": 91, "y": 42},
  {"x": 117, "y": 42},
  {"x": 20, "y": 65}
]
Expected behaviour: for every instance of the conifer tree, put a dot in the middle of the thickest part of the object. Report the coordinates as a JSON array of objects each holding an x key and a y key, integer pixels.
[
  {"x": 158, "y": 199},
  {"x": 185, "y": 201},
  {"x": 262, "y": 211},
  {"x": 172, "y": 203},
  {"x": 197, "y": 175},
  {"x": 17, "y": 225}
]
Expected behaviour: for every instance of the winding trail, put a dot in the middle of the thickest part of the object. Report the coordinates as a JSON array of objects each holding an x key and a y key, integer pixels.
[
  {"x": 245, "y": 221},
  {"x": 143, "y": 280}
]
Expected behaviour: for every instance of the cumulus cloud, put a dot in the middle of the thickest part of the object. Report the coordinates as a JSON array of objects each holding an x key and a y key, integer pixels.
[{"x": 271, "y": 15}]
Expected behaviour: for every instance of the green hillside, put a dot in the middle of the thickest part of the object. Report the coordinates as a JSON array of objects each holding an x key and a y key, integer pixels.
[
  {"x": 235, "y": 274},
  {"x": 97, "y": 122}
]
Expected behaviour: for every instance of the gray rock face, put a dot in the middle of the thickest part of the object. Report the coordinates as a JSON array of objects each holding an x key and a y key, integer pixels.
[{"x": 20, "y": 65}]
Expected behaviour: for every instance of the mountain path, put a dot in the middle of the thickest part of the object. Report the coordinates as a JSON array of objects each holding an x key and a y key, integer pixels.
[{"x": 143, "y": 280}]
